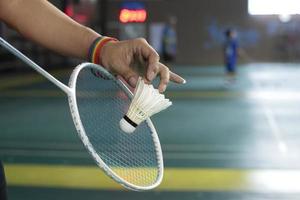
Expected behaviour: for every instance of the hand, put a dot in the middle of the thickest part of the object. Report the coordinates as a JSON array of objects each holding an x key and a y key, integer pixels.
[{"x": 132, "y": 58}]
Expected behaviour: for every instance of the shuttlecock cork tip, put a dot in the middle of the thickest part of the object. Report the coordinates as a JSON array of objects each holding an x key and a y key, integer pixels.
[{"x": 127, "y": 125}]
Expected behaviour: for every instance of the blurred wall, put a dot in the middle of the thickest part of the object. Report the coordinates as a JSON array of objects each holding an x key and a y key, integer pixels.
[
  {"x": 200, "y": 27},
  {"x": 201, "y": 24}
]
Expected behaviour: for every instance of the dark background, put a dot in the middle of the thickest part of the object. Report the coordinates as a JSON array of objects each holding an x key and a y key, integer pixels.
[{"x": 200, "y": 29}]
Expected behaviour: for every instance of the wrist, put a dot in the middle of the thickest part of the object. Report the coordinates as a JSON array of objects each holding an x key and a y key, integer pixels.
[{"x": 97, "y": 48}]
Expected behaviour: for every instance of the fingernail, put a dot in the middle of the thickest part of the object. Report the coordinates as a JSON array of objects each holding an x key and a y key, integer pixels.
[
  {"x": 132, "y": 81},
  {"x": 184, "y": 81},
  {"x": 151, "y": 76},
  {"x": 163, "y": 88}
]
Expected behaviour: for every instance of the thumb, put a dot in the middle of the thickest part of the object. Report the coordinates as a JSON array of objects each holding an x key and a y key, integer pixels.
[{"x": 131, "y": 77}]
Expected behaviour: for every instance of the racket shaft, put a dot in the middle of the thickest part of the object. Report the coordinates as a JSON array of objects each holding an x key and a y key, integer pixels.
[{"x": 35, "y": 66}]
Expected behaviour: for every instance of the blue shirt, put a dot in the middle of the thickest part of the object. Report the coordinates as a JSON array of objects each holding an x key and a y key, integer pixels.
[{"x": 230, "y": 50}]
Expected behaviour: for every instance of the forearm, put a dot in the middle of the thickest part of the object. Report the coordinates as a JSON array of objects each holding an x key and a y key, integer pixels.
[{"x": 41, "y": 22}]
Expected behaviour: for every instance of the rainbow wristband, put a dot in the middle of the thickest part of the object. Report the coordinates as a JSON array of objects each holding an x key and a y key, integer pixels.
[{"x": 96, "y": 47}]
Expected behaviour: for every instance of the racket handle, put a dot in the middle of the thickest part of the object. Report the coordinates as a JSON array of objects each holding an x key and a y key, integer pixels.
[{"x": 35, "y": 66}]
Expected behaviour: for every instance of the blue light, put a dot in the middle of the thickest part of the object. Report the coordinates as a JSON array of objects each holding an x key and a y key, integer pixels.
[{"x": 133, "y": 5}]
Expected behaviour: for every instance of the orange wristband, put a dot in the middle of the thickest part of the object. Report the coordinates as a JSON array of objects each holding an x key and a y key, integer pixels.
[{"x": 96, "y": 47}]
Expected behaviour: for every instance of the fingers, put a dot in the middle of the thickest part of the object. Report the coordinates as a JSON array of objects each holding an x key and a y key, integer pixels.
[
  {"x": 132, "y": 81},
  {"x": 176, "y": 78},
  {"x": 166, "y": 75},
  {"x": 151, "y": 56},
  {"x": 131, "y": 77},
  {"x": 164, "y": 78},
  {"x": 155, "y": 68}
]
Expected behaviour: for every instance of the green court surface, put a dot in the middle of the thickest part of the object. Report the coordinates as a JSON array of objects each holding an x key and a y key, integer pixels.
[{"x": 220, "y": 141}]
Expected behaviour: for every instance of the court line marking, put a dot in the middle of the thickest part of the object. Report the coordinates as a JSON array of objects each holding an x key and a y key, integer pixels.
[
  {"x": 275, "y": 130},
  {"x": 273, "y": 124},
  {"x": 179, "y": 179},
  {"x": 78, "y": 146},
  {"x": 195, "y": 156},
  {"x": 282, "y": 96}
]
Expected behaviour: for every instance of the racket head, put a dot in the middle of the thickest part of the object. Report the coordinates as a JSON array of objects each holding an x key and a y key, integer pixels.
[{"x": 98, "y": 102}]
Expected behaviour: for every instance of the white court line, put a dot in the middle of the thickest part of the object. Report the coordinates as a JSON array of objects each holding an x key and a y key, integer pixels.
[{"x": 275, "y": 130}]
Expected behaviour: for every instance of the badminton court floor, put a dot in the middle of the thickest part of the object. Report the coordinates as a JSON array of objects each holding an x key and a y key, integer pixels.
[{"x": 220, "y": 141}]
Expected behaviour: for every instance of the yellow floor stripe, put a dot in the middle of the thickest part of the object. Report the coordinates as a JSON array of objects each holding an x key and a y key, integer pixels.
[
  {"x": 183, "y": 179},
  {"x": 58, "y": 176}
]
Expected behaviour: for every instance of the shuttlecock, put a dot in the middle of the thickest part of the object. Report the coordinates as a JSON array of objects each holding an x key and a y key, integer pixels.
[{"x": 146, "y": 102}]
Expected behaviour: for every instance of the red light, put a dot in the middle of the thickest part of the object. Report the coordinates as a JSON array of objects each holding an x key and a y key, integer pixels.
[
  {"x": 69, "y": 10},
  {"x": 127, "y": 16}
]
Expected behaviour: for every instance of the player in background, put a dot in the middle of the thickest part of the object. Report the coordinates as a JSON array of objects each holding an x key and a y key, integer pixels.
[
  {"x": 169, "y": 41},
  {"x": 230, "y": 51}
]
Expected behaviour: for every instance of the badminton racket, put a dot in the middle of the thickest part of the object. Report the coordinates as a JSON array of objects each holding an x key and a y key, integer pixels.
[{"x": 97, "y": 101}]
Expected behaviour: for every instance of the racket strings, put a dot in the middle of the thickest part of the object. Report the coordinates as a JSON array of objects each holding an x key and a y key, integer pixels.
[{"x": 101, "y": 105}]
